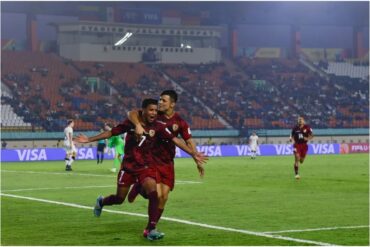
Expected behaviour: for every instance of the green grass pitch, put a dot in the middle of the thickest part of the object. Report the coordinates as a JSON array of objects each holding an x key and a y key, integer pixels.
[{"x": 239, "y": 202}]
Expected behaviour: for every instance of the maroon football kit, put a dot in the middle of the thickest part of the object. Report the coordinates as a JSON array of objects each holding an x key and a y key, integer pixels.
[
  {"x": 300, "y": 144},
  {"x": 167, "y": 149},
  {"x": 139, "y": 160}
]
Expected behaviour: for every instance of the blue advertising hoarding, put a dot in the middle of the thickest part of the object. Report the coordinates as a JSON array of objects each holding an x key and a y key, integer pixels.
[{"x": 89, "y": 153}]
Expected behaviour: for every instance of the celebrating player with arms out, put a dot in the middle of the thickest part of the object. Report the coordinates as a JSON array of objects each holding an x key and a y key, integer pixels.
[
  {"x": 165, "y": 162},
  {"x": 138, "y": 163},
  {"x": 300, "y": 135}
]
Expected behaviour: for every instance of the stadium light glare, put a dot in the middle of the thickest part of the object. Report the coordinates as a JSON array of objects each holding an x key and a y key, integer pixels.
[
  {"x": 185, "y": 46},
  {"x": 124, "y": 39}
]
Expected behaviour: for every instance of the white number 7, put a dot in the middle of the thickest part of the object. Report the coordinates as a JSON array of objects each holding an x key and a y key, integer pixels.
[{"x": 142, "y": 140}]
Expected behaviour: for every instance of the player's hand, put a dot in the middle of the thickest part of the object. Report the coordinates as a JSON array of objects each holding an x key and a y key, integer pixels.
[
  {"x": 200, "y": 170},
  {"x": 81, "y": 138},
  {"x": 200, "y": 158},
  {"x": 139, "y": 131}
]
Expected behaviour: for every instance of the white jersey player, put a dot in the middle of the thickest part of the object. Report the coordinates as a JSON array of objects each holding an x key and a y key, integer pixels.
[
  {"x": 253, "y": 144},
  {"x": 69, "y": 145}
]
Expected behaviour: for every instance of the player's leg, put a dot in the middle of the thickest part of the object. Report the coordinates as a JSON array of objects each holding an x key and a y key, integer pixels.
[
  {"x": 102, "y": 156},
  {"x": 97, "y": 156},
  {"x": 124, "y": 181},
  {"x": 117, "y": 198},
  {"x": 296, "y": 164},
  {"x": 302, "y": 153},
  {"x": 149, "y": 184},
  {"x": 163, "y": 198},
  {"x": 68, "y": 156},
  {"x": 113, "y": 199},
  {"x": 72, "y": 159},
  {"x": 117, "y": 158},
  {"x": 166, "y": 182},
  {"x": 66, "y": 160},
  {"x": 136, "y": 189}
]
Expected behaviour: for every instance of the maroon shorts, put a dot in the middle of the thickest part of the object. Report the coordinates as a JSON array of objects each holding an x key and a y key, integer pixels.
[
  {"x": 127, "y": 178},
  {"x": 300, "y": 149},
  {"x": 166, "y": 175}
]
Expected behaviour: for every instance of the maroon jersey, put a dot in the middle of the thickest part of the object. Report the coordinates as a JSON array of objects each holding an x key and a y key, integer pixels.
[
  {"x": 299, "y": 133},
  {"x": 140, "y": 154},
  {"x": 167, "y": 149}
]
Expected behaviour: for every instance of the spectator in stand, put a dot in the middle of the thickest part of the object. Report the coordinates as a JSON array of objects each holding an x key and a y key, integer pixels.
[{"x": 3, "y": 144}]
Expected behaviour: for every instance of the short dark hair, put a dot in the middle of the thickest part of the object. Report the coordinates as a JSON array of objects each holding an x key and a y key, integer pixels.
[
  {"x": 149, "y": 101},
  {"x": 171, "y": 93},
  {"x": 69, "y": 121}
]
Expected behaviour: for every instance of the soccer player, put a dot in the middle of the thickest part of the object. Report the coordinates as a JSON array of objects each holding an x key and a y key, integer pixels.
[
  {"x": 301, "y": 134},
  {"x": 118, "y": 144},
  {"x": 100, "y": 150},
  {"x": 253, "y": 144},
  {"x": 69, "y": 145},
  {"x": 138, "y": 163},
  {"x": 165, "y": 162}
]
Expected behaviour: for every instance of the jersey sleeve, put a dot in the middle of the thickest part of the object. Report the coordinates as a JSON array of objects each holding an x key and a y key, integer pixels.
[
  {"x": 185, "y": 131},
  {"x": 309, "y": 130},
  {"x": 122, "y": 128}
]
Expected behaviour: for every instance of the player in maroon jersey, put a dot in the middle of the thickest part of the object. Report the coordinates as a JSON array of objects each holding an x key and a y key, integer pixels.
[
  {"x": 165, "y": 162},
  {"x": 301, "y": 134},
  {"x": 138, "y": 164}
]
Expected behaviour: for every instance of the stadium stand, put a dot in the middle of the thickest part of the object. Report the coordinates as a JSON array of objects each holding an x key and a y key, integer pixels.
[
  {"x": 255, "y": 93},
  {"x": 348, "y": 69}
]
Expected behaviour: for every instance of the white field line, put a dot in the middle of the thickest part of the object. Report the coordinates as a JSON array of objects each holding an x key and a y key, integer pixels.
[
  {"x": 83, "y": 187},
  {"x": 89, "y": 175},
  {"x": 59, "y": 188},
  {"x": 261, "y": 234},
  {"x": 61, "y": 173},
  {"x": 319, "y": 229}
]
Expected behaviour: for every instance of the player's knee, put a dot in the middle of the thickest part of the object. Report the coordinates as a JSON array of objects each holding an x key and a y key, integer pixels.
[
  {"x": 163, "y": 197},
  {"x": 149, "y": 185},
  {"x": 120, "y": 199}
]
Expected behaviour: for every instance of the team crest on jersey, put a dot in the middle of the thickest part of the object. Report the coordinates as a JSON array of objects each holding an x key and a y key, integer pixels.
[
  {"x": 175, "y": 127},
  {"x": 151, "y": 133}
]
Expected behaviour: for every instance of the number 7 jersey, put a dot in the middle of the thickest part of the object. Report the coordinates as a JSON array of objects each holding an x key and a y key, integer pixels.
[{"x": 142, "y": 152}]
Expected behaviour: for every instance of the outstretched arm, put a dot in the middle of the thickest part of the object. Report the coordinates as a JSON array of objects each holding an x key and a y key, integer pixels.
[
  {"x": 198, "y": 157},
  {"x": 81, "y": 138},
  {"x": 191, "y": 144}
]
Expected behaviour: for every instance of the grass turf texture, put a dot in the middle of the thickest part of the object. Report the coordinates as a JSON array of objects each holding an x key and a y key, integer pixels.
[{"x": 257, "y": 195}]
